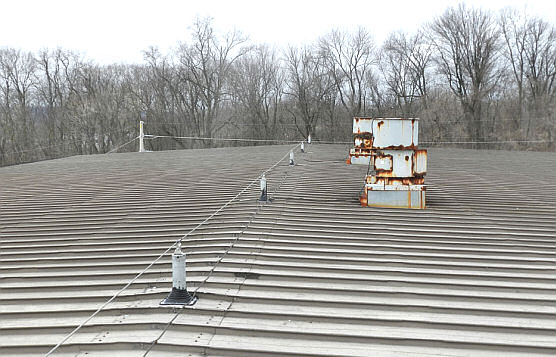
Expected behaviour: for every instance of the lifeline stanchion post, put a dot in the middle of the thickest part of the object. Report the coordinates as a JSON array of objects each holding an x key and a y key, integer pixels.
[
  {"x": 179, "y": 294},
  {"x": 303, "y": 146},
  {"x": 264, "y": 196},
  {"x": 291, "y": 158},
  {"x": 141, "y": 137}
]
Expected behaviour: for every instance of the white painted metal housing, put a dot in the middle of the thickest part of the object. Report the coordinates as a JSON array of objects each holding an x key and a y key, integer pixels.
[
  {"x": 388, "y": 146},
  {"x": 388, "y": 132},
  {"x": 178, "y": 269}
]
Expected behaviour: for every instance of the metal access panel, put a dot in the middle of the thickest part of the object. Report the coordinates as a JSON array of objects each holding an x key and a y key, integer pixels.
[
  {"x": 360, "y": 160},
  {"x": 420, "y": 162},
  {"x": 394, "y": 163},
  {"x": 395, "y": 133},
  {"x": 397, "y": 198},
  {"x": 401, "y": 163},
  {"x": 362, "y": 125}
]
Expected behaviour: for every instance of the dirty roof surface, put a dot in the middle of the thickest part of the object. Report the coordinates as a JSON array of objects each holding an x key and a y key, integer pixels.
[{"x": 310, "y": 274}]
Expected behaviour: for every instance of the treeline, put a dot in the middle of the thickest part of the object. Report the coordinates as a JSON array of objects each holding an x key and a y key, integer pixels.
[{"x": 471, "y": 76}]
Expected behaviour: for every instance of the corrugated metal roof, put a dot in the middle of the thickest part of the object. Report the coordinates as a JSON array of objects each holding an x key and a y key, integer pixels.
[{"x": 311, "y": 273}]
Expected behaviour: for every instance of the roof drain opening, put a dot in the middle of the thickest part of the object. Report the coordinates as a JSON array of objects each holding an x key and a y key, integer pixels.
[{"x": 179, "y": 294}]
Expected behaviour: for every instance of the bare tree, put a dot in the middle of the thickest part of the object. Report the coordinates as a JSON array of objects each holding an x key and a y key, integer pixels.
[
  {"x": 404, "y": 63},
  {"x": 513, "y": 28},
  {"x": 531, "y": 48},
  {"x": 165, "y": 98},
  {"x": 466, "y": 41},
  {"x": 540, "y": 54},
  {"x": 349, "y": 57},
  {"x": 17, "y": 70},
  {"x": 256, "y": 87},
  {"x": 308, "y": 87},
  {"x": 205, "y": 64}
]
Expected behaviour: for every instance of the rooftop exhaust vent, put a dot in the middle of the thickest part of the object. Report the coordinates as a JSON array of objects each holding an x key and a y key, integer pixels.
[{"x": 396, "y": 166}]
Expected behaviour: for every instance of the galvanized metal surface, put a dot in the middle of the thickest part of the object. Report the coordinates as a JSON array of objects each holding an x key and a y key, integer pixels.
[{"x": 310, "y": 274}]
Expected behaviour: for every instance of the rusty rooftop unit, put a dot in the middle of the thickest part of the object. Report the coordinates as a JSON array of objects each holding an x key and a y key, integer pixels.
[
  {"x": 396, "y": 167},
  {"x": 310, "y": 274}
]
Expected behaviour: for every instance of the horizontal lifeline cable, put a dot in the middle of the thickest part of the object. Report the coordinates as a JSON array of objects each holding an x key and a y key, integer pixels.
[
  {"x": 339, "y": 142},
  {"x": 151, "y": 124},
  {"x": 121, "y": 146},
  {"x": 58, "y": 145},
  {"x": 150, "y": 137},
  {"x": 38, "y": 148},
  {"x": 68, "y": 336},
  {"x": 220, "y": 139}
]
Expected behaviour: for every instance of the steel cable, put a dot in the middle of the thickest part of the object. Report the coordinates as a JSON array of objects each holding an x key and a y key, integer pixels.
[
  {"x": 220, "y": 258},
  {"x": 74, "y": 331},
  {"x": 121, "y": 146}
]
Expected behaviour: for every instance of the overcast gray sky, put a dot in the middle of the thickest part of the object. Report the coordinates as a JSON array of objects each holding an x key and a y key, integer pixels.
[{"x": 119, "y": 30}]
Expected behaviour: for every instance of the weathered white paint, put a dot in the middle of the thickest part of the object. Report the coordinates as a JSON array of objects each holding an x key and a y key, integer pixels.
[{"x": 178, "y": 269}]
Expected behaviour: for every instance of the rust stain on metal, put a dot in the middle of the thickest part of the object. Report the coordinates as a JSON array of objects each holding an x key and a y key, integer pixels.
[
  {"x": 400, "y": 147},
  {"x": 363, "y": 200},
  {"x": 384, "y": 173},
  {"x": 394, "y": 181}
]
